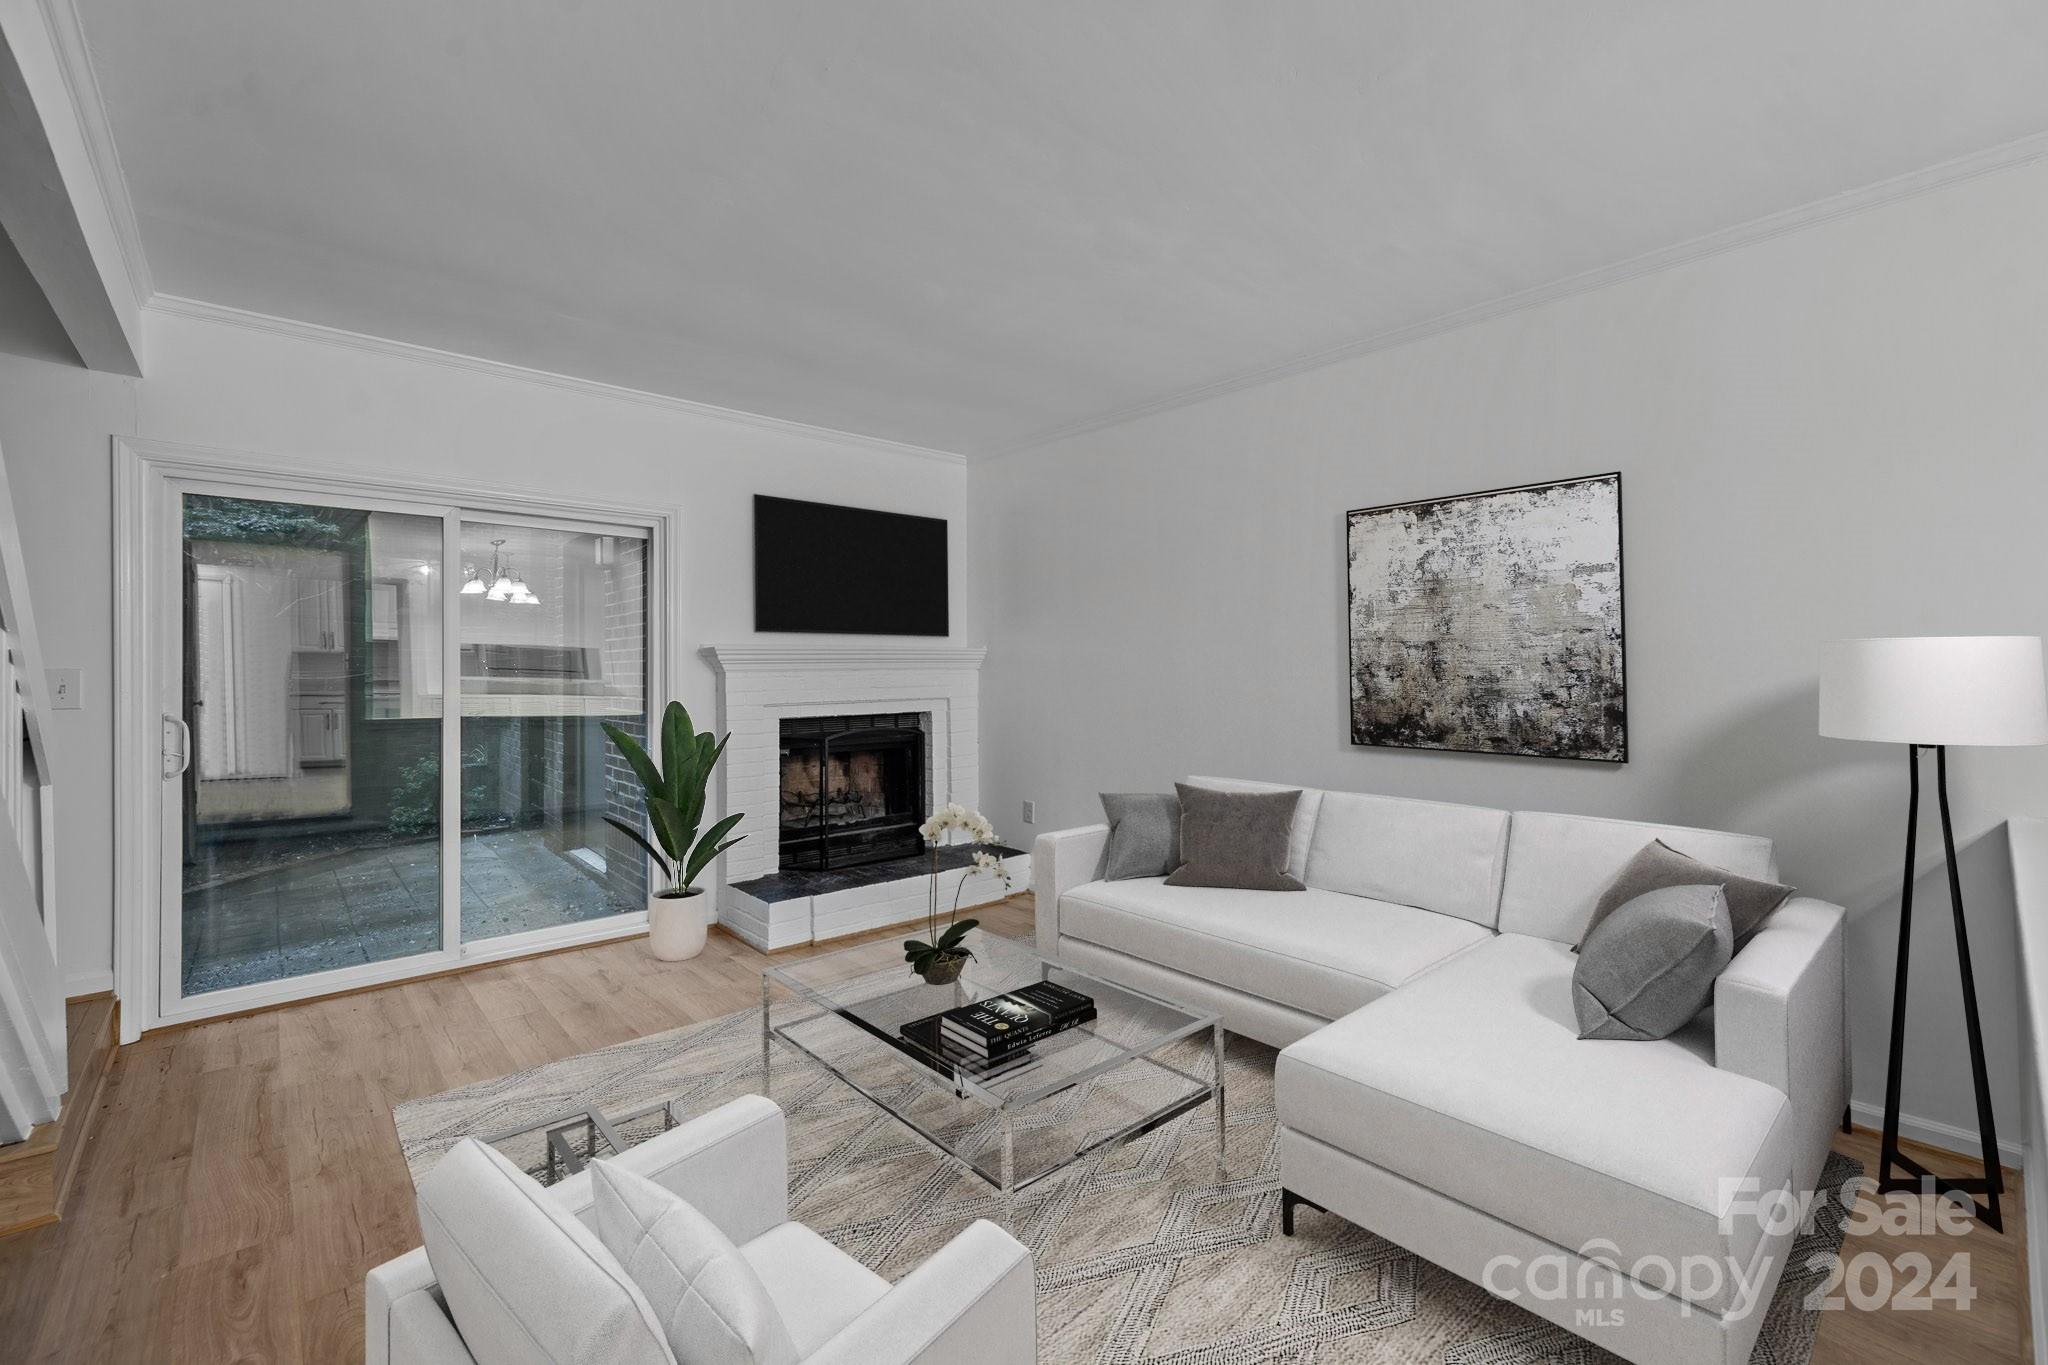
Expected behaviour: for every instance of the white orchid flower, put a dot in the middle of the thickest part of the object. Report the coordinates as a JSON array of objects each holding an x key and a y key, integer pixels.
[{"x": 956, "y": 816}]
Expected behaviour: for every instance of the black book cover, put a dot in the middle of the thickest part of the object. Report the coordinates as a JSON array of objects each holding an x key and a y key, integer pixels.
[{"x": 1003, "y": 1023}]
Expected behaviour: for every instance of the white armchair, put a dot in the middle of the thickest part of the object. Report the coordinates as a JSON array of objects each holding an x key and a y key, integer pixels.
[{"x": 973, "y": 1301}]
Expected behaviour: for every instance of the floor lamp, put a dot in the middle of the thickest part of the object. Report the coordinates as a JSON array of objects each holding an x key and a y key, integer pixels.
[{"x": 1927, "y": 693}]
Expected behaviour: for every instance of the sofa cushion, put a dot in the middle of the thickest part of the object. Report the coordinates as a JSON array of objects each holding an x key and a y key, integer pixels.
[
  {"x": 1305, "y": 812},
  {"x": 1658, "y": 865},
  {"x": 524, "y": 1280},
  {"x": 1558, "y": 866},
  {"x": 705, "y": 1295},
  {"x": 1472, "y": 1081},
  {"x": 816, "y": 1287},
  {"x": 1144, "y": 834},
  {"x": 1647, "y": 969},
  {"x": 1235, "y": 839},
  {"x": 1424, "y": 853},
  {"x": 1314, "y": 950}
]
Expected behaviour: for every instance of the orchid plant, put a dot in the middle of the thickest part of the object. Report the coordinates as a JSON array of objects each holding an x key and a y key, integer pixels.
[{"x": 939, "y": 957}]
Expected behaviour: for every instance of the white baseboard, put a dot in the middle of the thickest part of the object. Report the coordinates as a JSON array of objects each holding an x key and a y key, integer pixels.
[
  {"x": 88, "y": 983},
  {"x": 2037, "y": 1299},
  {"x": 1948, "y": 1137}
]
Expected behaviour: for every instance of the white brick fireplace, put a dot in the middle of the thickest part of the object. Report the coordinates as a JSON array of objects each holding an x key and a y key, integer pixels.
[{"x": 759, "y": 686}]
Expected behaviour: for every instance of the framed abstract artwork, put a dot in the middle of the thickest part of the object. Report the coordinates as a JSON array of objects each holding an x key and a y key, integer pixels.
[{"x": 1491, "y": 622}]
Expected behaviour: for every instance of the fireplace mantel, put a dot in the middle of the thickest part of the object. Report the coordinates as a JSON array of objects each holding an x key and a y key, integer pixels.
[
  {"x": 729, "y": 659},
  {"x": 762, "y": 684}
]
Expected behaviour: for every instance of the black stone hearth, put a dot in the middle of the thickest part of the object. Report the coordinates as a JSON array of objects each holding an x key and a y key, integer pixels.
[{"x": 793, "y": 884}]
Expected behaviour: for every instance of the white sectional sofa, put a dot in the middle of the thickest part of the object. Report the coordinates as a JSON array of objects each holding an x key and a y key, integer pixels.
[{"x": 1432, "y": 1086}]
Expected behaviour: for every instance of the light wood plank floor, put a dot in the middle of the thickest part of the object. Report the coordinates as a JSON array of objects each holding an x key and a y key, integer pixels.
[{"x": 244, "y": 1174}]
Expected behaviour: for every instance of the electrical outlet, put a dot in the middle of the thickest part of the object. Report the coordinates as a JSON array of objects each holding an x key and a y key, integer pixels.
[
  {"x": 1030, "y": 812},
  {"x": 63, "y": 683}
]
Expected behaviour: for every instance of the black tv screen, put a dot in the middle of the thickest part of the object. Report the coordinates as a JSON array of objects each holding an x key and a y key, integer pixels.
[{"x": 821, "y": 569}]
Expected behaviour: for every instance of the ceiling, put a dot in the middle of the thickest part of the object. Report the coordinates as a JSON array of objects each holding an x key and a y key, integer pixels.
[{"x": 964, "y": 225}]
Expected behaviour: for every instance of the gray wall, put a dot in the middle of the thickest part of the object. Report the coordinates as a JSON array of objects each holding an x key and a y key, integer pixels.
[{"x": 1841, "y": 431}]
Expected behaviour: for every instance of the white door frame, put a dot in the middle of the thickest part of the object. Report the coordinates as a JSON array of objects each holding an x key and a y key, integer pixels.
[{"x": 148, "y": 477}]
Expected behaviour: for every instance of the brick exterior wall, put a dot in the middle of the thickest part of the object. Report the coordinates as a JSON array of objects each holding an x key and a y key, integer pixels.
[{"x": 625, "y": 668}]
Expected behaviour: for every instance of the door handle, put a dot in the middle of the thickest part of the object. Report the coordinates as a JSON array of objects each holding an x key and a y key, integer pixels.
[{"x": 184, "y": 754}]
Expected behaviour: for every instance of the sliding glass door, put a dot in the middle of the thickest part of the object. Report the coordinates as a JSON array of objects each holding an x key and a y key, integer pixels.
[
  {"x": 312, "y": 699},
  {"x": 328, "y": 818},
  {"x": 554, "y": 645}
]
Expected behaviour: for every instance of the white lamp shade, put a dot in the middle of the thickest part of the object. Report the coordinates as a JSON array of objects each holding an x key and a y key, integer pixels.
[{"x": 1935, "y": 689}]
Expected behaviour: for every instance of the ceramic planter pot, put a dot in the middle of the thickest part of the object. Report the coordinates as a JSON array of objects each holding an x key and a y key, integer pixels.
[
  {"x": 944, "y": 971},
  {"x": 675, "y": 924}
]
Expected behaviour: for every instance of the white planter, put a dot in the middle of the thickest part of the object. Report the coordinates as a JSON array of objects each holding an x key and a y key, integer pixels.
[{"x": 675, "y": 925}]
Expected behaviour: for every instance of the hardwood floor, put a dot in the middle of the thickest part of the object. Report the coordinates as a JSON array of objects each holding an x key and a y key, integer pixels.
[{"x": 244, "y": 1174}]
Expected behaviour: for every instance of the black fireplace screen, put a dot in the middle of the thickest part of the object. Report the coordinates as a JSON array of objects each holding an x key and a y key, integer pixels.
[{"x": 852, "y": 790}]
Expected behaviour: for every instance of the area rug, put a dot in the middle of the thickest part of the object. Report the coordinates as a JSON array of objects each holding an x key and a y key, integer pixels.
[{"x": 1143, "y": 1253}]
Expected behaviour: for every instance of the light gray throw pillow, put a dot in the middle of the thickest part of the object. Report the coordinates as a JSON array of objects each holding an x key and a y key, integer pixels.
[
  {"x": 1144, "y": 835},
  {"x": 1658, "y": 865},
  {"x": 1649, "y": 967},
  {"x": 1235, "y": 839},
  {"x": 709, "y": 1301}
]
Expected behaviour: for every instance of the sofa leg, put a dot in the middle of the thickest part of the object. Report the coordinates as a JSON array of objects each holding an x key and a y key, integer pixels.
[{"x": 1288, "y": 1200}]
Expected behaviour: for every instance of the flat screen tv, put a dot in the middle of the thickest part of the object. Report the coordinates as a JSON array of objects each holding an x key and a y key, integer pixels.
[{"x": 821, "y": 569}]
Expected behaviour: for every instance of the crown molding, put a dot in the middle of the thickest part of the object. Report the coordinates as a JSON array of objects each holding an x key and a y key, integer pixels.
[
  {"x": 784, "y": 658},
  {"x": 2021, "y": 152},
  {"x": 67, "y": 36},
  {"x": 170, "y": 305}
]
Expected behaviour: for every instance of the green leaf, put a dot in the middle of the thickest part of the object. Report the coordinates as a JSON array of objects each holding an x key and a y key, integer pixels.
[
  {"x": 702, "y": 757},
  {"x": 678, "y": 740},
  {"x": 669, "y": 827},
  {"x": 710, "y": 846},
  {"x": 951, "y": 938},
  {"x": 667, "y": 868},
  {"x": 643, "y": 766}
]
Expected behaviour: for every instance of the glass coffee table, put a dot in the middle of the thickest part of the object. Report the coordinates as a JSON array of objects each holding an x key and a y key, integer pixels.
[{"x": 1140, "y": 1058}]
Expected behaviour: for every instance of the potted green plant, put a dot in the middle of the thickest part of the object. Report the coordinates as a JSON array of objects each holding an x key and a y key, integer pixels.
[
  {"x": 941, "y": 958},
  {"x": 674, "y": 796}
]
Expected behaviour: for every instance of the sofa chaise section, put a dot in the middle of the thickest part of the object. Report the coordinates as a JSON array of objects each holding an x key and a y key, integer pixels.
[{"x": 1473, "y": 1081}]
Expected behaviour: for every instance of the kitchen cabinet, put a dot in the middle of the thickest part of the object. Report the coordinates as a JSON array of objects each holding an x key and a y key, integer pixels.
[
  {"x": 317, "y": 615},
  {"x": 384, "y": 602},
  {"x": 322, "y": 730}
]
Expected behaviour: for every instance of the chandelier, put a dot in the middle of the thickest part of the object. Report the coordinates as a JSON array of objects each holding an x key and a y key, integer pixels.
[{"x": 502, "y": 586}]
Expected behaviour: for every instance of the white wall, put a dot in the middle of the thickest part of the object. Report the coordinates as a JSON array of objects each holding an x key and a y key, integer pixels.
[
  {"x": 1841, "y": 431},
  {"x": 287, "y": 398}
]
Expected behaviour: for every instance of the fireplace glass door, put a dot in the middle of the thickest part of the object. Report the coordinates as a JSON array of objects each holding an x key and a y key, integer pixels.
[{"x": 852, "y": 790}]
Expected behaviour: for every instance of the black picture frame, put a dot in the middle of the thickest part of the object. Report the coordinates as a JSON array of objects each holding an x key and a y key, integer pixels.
[{"x": 1593, "y": 723}]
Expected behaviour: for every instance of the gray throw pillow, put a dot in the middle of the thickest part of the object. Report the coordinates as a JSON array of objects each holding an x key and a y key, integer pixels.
[
  {"x": 1658, "y": 865},
  {"x": 1649, "y": 967},
  {"x": 1236, "y": 839},
  {"x": 1144, "y": 835}
]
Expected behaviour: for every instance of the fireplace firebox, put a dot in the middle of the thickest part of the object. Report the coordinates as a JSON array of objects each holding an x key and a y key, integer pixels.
[{"x": 853, "y": 790}]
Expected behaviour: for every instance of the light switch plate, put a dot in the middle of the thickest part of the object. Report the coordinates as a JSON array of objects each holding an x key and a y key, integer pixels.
[
  {"x": 63, "y": 683},
  {"x": 1030, "y": 812}
]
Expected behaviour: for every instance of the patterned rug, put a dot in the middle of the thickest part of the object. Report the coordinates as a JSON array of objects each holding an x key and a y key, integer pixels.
[{"x": 1143, "y": 1254}]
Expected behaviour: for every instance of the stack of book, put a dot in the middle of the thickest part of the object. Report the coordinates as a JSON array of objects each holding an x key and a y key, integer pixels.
[
  {"x": 1006, "y": 1024},
  {"x": 992, "y": 1038}
]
